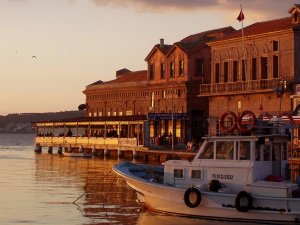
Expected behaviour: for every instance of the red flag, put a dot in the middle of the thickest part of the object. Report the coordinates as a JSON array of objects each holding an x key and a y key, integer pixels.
[{"x": 241, "y": 16}]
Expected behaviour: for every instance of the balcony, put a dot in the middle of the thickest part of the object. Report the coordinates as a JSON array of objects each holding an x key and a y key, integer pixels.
[{"x": 240, "y": 87}]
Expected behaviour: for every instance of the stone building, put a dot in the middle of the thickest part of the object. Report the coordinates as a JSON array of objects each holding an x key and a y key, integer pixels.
[
  {"x": 167, "y": 92},
  {"x": 251, "y": 67}
]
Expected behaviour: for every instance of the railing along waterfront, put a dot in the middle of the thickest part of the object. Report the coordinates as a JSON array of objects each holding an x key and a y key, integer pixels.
[
  {"x": 86, "y": 141},
  {"x": 264, "y": 85}
]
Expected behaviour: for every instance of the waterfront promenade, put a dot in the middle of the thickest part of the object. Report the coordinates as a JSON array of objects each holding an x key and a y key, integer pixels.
[{"x": 112, "y": 147}]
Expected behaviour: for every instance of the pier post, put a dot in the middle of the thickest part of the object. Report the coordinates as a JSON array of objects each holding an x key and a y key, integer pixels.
[
  {"x": 59, "y": 150},
  {"x": 50, "y": 149},
  {"x": 94, "y": 151},
  {"x": 134, "y": 154},
  {"x": 120, "y": 153},
  {"x": 106, "y": 152},
  {"x": 146, "y": 157},
  {"x": 38, "y": 148}
]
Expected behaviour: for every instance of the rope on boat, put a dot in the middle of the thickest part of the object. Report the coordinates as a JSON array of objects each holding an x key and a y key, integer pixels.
[{"x": 93, "y": 186}]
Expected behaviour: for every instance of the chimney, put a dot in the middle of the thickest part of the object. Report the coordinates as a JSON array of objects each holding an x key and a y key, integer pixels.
[
  {"x": 162, "y": 44},
  {"x": 122, "y": 72}
]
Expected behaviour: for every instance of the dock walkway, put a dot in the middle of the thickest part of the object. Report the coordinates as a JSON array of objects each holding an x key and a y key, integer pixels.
[{"x": 114, "y": 147}]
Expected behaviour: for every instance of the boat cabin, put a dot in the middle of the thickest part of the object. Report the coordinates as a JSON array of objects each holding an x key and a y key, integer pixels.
[{"x": 235, "y": 161}]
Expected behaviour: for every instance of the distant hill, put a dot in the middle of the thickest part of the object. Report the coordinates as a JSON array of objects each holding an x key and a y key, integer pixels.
[{"x": 21, "y": 122}]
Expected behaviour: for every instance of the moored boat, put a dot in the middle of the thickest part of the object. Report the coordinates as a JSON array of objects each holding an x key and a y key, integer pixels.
[{"x": 241, "y": 176}]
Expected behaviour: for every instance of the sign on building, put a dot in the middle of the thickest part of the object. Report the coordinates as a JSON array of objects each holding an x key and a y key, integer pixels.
[{"x": 168, "y": 116}]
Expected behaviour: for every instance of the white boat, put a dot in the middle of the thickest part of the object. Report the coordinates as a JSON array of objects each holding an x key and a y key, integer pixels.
[{"x": 232, "y": 177}]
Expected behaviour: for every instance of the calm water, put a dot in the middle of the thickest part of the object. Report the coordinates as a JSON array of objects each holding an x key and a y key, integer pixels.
[{"x": 40, "y": 189}]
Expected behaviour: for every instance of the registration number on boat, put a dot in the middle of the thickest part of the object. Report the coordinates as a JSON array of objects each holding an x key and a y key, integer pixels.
[{"x": 222, "y": 176}]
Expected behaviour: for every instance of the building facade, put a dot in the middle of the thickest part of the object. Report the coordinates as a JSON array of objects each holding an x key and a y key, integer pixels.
[
  {"x": 255, "y": 68},
  {"x": 168, "y": 91}
]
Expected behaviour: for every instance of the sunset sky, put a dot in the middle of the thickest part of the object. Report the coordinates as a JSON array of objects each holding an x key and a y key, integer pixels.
[{"x": 51, "y": 49}]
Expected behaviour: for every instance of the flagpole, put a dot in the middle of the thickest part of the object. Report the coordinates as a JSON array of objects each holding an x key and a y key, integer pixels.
[
  {"x": 241, "y": 19},
  {"x": 243, "y": 41}
]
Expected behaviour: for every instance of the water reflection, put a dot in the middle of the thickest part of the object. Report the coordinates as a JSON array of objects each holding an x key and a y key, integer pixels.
[
  {"x": 40, "y": 189},
  {"x": 151, "y": 218},
  {"x": 102, "y": 196}
]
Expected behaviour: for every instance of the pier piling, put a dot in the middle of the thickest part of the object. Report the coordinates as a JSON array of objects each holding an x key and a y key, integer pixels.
[
  {"x": 106, "y": 152},
  {"x": 50, "y": 149},
  {"x": 59, "y": 150},
  {"x": 38, "y": 148}
]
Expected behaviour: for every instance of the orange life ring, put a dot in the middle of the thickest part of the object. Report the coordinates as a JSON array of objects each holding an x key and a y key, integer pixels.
[
  {"x": 227, "y": 129},
  {"x": 248, "y": 127}
]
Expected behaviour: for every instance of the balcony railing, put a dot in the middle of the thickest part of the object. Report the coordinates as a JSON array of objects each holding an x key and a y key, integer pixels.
[{"x": 252, "y": 86}]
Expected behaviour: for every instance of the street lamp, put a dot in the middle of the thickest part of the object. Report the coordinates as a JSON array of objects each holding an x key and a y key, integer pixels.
[{"x": 172, "y": 117}]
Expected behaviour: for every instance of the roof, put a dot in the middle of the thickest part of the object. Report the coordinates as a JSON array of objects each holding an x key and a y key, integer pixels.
[
  {"x": 127, "y": 77},
  {"x": 263, "y": 27},
  {"x": 165, "y": 49},
  {"x": 97, "y": 82},
  {"x": 294, "y": 7},
  {"x": 95, "y": 119},
  {"x": 206, "y": 36},
  {"x": 193, "y": 42}
]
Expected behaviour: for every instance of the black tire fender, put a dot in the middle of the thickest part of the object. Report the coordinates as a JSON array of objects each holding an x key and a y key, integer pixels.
[
  {"x": 248, "y": 200},
  {"x": 187, "y": 199}
]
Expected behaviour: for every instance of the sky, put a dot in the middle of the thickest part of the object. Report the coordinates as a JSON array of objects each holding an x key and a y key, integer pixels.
[{"x": 50, "y": 50}]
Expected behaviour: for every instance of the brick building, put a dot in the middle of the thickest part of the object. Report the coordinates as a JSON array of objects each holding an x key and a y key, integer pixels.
[
  {"x": 249, "y": 65},
  {"x": 168, "y": 89}
]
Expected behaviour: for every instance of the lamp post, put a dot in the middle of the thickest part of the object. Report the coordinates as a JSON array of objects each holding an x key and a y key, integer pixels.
[{"x": 172, "y": 117}]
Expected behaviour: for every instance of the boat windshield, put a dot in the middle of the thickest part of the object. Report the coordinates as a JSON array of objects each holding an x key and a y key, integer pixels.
[
  {"x": 208, "y": 151},
  {"x": 226, "y": 150},
  {"x": 244, "y": 150}
]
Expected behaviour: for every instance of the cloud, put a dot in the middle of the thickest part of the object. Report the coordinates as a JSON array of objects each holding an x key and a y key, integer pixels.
[
  {"x": 268, "y": 7},
  {"x": 157, "y": 5}
]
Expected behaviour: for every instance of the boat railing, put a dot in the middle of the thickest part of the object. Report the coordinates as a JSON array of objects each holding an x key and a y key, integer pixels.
[
  {"x": 274, "y": 126},
  {"x": 167, "y": 141}
]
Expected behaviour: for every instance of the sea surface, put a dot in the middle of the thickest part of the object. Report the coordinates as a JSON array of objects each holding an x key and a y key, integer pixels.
[{"x": 49, "y": 189}]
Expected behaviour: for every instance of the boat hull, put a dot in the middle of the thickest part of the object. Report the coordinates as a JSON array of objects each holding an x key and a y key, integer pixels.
[{"x": 170, "y": 199}]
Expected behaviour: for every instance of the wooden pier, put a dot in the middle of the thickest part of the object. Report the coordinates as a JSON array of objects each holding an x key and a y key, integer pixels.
[
  {"x": 113, "y": 147},
  {"x": 118, "y": 137}
]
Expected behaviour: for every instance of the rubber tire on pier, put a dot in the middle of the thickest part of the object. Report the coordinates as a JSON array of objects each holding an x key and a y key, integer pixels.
[
  {"x": 243, "y": 195},
  {"x": 187, "y": 200}
]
